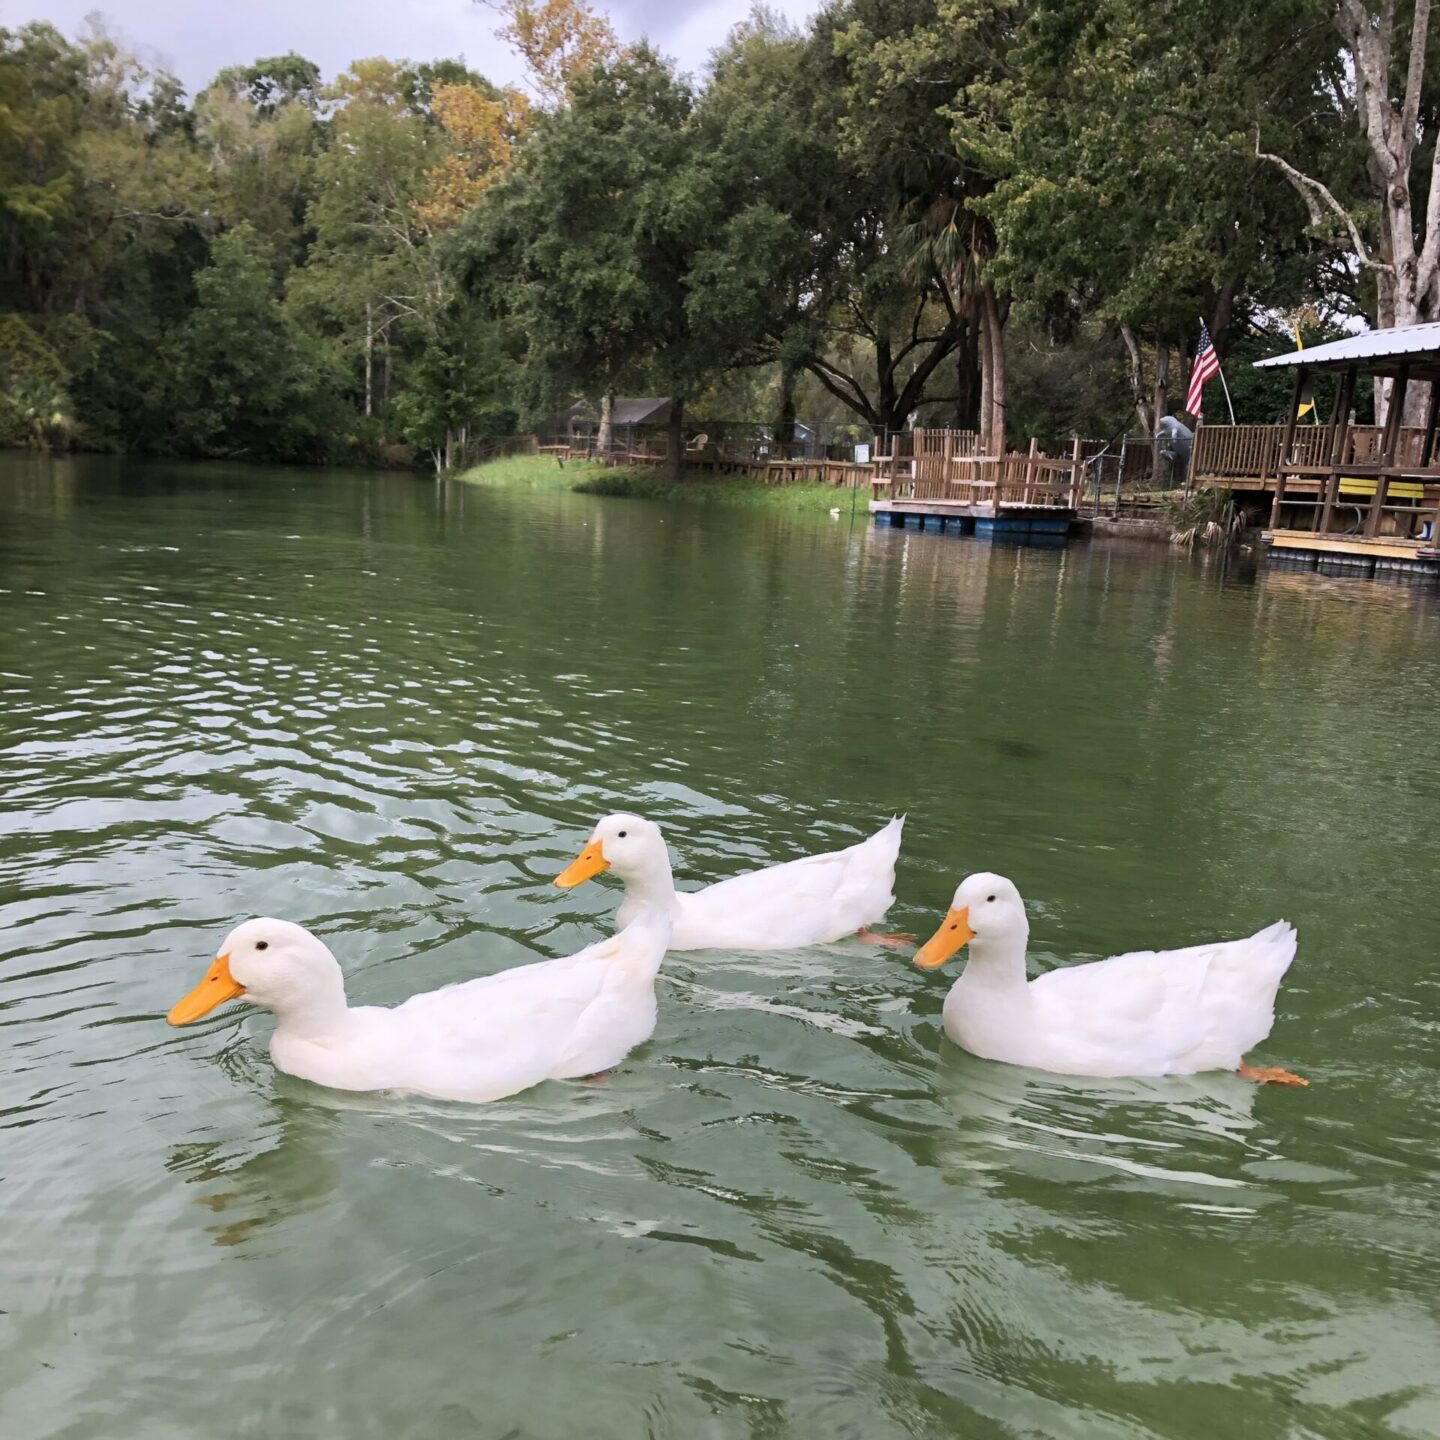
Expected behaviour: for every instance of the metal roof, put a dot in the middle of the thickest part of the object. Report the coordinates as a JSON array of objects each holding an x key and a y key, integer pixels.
[
  {"x": 627, "y": 410},
  {"x": 1393, "y": 344}
]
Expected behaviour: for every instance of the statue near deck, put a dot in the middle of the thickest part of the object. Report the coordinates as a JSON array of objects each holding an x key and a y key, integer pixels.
[{"x": 1175, "y": 440}]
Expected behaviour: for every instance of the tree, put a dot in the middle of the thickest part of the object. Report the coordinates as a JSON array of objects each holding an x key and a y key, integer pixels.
[
  {"x": 1132, "y": 196},
  {"x": 559, "y": 40},
  {"x": 259, "y": 129},
  {"x": 921, "y": 81},
  {"x": 369, "y": 262},
  {"x": 483, "y": 127},
  {"x": 246, "y": 384},
  {"x": 1387, "y": 214},
  {"x": 599, "y": 245}
]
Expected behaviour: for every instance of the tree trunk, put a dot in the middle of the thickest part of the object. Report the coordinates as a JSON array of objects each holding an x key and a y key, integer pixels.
[
  {"x": 995, "y": 328},
  {"x": 1138, "y": 395},
  {"x": 607, "y": 422},
  {"x": 987, "y": 371},
  {"x": 785, "y": 411},
  {"x": 968, "y": 378},
  {"x": 888, "y": 420},
  {"x": 369, "y": 361},
  {"x": 675, "y": 454},
  {"x": 1223, "y": 314},
  {"x": 1162, "y": 400}
]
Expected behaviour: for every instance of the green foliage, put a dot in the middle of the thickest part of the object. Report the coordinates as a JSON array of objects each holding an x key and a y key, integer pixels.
[
  {"x": 246, "y": 383},
  {"x": 1205, "y": 517},
  {"x": 35, "y": 405},
  {"x": 587, "y": 246},
  {"x": 1063, "y": 388},
  {"x": 839, "y": 222}
]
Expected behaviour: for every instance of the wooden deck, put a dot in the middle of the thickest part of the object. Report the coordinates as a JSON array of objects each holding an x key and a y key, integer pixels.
[{"x": 1353, "y": 552}]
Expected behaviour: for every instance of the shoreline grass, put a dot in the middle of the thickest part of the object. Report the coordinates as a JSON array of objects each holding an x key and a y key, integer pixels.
[
  {"x": 734, "y": 491},
  {"x": 647, "y": 483},
  {"x": 541, "y": 471}
]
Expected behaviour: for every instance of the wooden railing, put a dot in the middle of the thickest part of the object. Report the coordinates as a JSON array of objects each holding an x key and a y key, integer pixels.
[
  {"x": 1236, "y": 450},
  {"x": 1240, "y": 452},
  {"x": 1031, "y": 479}
]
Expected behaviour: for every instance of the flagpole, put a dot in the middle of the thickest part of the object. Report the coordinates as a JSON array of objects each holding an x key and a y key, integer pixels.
[{"x": 1221, "y": 373}]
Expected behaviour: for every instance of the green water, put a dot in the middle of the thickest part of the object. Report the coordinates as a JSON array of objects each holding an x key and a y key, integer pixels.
[{"x": 391, "y": 711}]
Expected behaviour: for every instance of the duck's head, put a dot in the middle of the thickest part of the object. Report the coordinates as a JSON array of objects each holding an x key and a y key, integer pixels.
[
  {"x": 274, "y": 963},
  {"x": 986, "y": 907},
  {"x": 630, "y": 846}
]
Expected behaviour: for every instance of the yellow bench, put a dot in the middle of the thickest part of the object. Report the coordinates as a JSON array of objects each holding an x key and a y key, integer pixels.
[{"x": 1395, "y": 490}]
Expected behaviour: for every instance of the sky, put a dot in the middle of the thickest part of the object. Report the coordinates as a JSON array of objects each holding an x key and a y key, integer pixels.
[{"x": 197, "y": 38}]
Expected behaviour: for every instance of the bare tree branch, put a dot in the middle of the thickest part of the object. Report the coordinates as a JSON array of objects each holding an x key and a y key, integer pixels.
[{"x": 1312, "y": 192}]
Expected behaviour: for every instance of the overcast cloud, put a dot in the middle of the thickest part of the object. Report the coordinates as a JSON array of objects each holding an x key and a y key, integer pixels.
[{"x": 196, "y": 38}]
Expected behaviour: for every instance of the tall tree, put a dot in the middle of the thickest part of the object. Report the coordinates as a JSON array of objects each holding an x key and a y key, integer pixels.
[
  {"x": 1385, "y": 212},
  {"x": 1132, "y": 195},
  {"x": 600, "y": 245}
]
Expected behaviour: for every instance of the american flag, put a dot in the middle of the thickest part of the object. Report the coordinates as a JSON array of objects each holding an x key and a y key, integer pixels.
[{"x": 1207, "y": 366}]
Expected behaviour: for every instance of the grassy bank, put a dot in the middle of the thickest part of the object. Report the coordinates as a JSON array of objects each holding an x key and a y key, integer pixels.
[
  {"x": 647, "y": 483},
  {"x": 538, "y": 471}
]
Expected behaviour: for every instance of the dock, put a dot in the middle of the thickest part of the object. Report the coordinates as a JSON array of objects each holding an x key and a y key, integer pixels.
[
  {"x": 939, "y": 479},
  {"x": 1351, "y": 554},
  {"x": 1340, "y": 495}
]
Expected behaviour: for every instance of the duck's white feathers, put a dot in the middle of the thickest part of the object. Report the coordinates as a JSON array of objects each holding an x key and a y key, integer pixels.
[
  {"x": 500, "y": 1034},
  {"x": 803, "y": 902},
  {"x": 1151, "y": 1012}
]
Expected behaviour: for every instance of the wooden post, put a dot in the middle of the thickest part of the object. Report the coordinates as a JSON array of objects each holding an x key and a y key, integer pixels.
[
  {"x": 1077, "y": 471},
  {"x": 1339, "y": 446},
  {"x": 1285, "y": 446},
  {"x": 1030, "y": 469},
  {"x": 1394, "y": 421},
  {"x": 1431, "y": 413}
]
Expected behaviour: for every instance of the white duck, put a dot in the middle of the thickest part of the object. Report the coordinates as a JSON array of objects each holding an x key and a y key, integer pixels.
[
  {"x": 804, "y": 902},
  {"x": 477, "y": 1040},
  {"x": 1154, "y": 1012}
]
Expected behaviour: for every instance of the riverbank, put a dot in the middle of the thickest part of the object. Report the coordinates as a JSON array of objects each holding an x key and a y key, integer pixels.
[{"x": 644, "y": 483}]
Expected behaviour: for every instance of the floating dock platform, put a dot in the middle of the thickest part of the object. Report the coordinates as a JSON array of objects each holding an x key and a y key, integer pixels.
[
  {"x": 1351, "y": 554},
  {"x": 1031, "y": 524}
]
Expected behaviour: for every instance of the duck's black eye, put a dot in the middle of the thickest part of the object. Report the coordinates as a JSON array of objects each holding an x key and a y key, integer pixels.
[
  {"x": 989, "y": 899},
  {"x": 622, "y": 835},
  {"x": 262, "y": 944}
]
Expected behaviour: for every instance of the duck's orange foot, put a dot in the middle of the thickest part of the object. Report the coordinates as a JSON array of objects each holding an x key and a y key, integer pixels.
[
  {"x": 876, "y": 937},
  {"x": 1270, "y": 1075}
]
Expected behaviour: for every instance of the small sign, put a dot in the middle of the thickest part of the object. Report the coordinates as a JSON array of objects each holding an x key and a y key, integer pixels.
[{"x": 862, "y": 454}]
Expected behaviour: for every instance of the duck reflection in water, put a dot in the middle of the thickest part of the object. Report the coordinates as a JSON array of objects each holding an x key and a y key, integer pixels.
[
  {"x": 1175, "y": 1131},
  {"x": 298, "y": 1172}
]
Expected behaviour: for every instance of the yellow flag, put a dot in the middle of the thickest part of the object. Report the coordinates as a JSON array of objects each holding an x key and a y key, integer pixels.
[{"x": 1307, "y": 405}]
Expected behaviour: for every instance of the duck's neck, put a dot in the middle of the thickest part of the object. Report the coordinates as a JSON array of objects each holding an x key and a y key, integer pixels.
[
  {"x": 319, "y": 1015},
  {"x": 652, "y": 888},
  {"x": 996, "y": 968}
]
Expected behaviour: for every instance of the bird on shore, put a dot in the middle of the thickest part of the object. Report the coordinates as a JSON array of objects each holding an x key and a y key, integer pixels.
[
  {"x": 1153, "y": 1012},
  {"x": 476, "y": 1040},
  {"x": 802, "y": 902}
]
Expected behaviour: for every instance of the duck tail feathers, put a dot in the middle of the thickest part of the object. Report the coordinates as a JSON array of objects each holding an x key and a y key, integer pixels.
[{"x": 1280, "y": 942}]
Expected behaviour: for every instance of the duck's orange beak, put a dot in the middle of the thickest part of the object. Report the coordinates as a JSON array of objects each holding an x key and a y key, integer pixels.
[
  {"x": 591, "y": 861},
  {"x": 218, "y": 986},
  {"x": 954, "y": 931}
]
